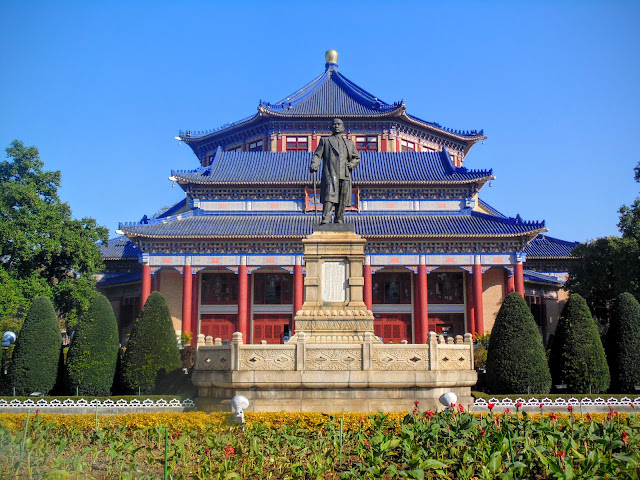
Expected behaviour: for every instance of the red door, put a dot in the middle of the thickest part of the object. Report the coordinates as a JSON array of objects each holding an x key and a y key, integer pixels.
[
  {"x": 270, "y": 327},
  {"x": 449, "y": 324},
  {"x": 392, "y": 327},
  {"x": 218, "y": 325}
]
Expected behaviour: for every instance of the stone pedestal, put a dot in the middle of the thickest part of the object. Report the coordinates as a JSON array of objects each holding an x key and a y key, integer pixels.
[{"x": 334, "y": 310}]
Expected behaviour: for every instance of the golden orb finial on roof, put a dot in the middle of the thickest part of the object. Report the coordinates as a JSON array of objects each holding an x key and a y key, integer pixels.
[{"x": 331, "y": 56}]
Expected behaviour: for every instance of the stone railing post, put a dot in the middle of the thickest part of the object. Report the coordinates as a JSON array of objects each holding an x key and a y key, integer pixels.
[
  {"x": 200, "y": 341},
  {"x": 468, "y": 340},
  {"x": 301, "y": 347},
  {"x": 236, "y": 342},
  {"x": 432, "y": 340},
  {"x": 367, "y": 351}
]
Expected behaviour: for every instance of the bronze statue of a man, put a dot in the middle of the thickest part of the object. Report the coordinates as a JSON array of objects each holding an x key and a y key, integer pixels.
[{"x": 338, "y": 156}]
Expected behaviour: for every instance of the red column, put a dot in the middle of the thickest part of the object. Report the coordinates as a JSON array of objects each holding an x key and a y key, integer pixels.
[
  {"x": 314, "y": 143},
  {"x": 519, "y": 278},
  {"x": 194, "y": 308},
  {"x": 280, "y": 140},
  {"x": 471, "y": 328},
  {"x": 477, "y": 298},
  {"x": 422, "y": 323},
  {"x": 146, "y": 283},
  {"x": 367, "y": 292},
  {"x": 510, "y": 283},
  {"x": 383, "y": 146},
  {"x": 243, "y": 292},
  {"x": 187, "y": 298}
]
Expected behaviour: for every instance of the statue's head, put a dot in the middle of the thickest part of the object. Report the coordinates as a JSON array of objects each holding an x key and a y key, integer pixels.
[{"x": 337, "y": 126}]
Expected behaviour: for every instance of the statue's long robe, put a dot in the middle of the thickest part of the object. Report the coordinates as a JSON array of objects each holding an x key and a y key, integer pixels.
[{"x": 335, "y": 167}]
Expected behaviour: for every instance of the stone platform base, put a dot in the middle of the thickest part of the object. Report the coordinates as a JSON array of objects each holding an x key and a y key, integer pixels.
[{"x": 334, "y": 400}]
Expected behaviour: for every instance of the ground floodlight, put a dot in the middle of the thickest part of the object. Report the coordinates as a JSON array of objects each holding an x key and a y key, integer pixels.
[
  {"x": 449, "y": 398},
  {"x": 239, "y": 403},
  {"x": 8, "y": 338}
]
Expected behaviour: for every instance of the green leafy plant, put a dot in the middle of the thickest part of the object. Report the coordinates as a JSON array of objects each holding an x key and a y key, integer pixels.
[
  {"x": 34, "y": 363},
  {"x": 516, "y": 362},
  {"x": 152, "y": 352},
  {"x": 577, "y": 357},
  {"x": 623, "y": 344},
  {"x": 93, "y": 354}
]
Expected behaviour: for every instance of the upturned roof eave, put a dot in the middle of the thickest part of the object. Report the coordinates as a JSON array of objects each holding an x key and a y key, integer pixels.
[
  {"x": 137, "y": 235},
  {"x": 185, "y": 181}
]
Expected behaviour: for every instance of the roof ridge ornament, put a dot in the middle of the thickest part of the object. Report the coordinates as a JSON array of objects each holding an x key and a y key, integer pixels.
[{"x": 331, "y": 59}]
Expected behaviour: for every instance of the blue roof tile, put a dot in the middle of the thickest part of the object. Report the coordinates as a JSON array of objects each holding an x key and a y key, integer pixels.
[
  {"x": 293, "y": 168},
  {"x": 537, "y": 277},
  {"x": 119, "y": 278},
  {"x": 330, "y": 94},
  {"x": 298, "y": 225},
  {"x": 544, "y": 246},
  {"x": 119, "y": 248}
]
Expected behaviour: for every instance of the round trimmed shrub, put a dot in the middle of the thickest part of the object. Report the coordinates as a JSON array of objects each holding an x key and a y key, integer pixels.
[
  {"x": 577, "y": 357},
  {"x": 152, "y": 352},
  {"x": 34, "y": 364},
  {"x": 92, "y": 356},
  {"x": 516, "y": 361},
  {"x": 623, "y": 344}
]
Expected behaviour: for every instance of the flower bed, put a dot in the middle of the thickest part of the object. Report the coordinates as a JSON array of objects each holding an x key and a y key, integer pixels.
[{"x": 311, "y": 445}]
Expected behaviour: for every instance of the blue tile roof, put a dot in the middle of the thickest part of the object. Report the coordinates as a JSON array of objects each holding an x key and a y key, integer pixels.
[
  {"x": 331, "y": 94},
  {"x": 537, "y": 277},
  {"x": 112, "y": 279},
  {"x": 293, "y": 168},
  {"x": 489, "y": 208},
  {"x": 467, "y": 223},
  {"x": 544, "y": 246},
  {"x": 119, "y": 248}
]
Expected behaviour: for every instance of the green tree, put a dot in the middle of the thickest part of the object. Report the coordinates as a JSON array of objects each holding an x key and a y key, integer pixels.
[
  {"x": 152, "y": 352},
  {"x": 516, "y": 361},
  {"x": 34, "y": 364},
  {"x": 609, "y": 266},
  {"x": 92, "y": 356},
  {"x": 43, "y": 250},
  {"x": 623, "y": 344},
  {"x": 577, "y": 356}
]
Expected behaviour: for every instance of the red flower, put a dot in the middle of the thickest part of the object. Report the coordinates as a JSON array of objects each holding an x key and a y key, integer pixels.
[
  {"x": 541, "y": 405},
  {"x": 428, "y": 414},
  {"x": 632, "y": 405},
  {"x": 415, "y": 410},
  {"x": 570, "y": 408},
  {"x": 206, "y": 451},
  {"x": 367, "y": 444},
  {"x": 625, "y": 438},
  {"x": 228, "y": 451},
  {"x": 588, "y": 417},
  {"x": 416, "y": 403},
  {"x": 361, "y": 420},
  {"x": 553, "y": 416},
  {"x": 506, "y": 410},
  {"x": 483, "y": 432},
  {"x": 560, "y": 455},
  {"x": 490, "y": 406},
  {"x": 518, "y": 405},
  {"x": 460, "y": 408}
]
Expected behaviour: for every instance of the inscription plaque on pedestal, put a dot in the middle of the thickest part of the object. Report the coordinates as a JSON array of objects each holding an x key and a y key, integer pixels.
[{"x": 334, "y": 281}]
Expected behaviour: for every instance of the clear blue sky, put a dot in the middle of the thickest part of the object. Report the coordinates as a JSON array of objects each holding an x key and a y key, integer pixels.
[{"x": 102, "y": 88}]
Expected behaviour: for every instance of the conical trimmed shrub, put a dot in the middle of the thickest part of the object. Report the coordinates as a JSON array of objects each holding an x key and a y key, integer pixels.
[
  {"x": 152, "y": 352},
  {"x": 623, "y": 344},
  {"x": 516, "y": 361},
  {"x": 92, "y": 356},
  {"x": 577, "y": 357},
  {"x": 34, "y": 365}
]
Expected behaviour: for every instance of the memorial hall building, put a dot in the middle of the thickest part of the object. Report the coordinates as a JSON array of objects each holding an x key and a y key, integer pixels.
[{"x": 228, "y": 257}]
